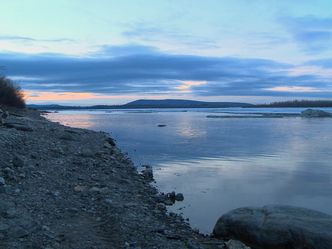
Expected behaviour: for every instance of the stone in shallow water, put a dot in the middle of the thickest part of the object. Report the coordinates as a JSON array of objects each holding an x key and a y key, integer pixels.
[
  {"x": 179, "y": 197},
  {"x": 314, "y": 113},
  {"x": 277, "y": 227}
]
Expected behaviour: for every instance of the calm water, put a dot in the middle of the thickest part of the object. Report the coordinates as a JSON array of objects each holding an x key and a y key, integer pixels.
[{"x": 222, "y": 164}]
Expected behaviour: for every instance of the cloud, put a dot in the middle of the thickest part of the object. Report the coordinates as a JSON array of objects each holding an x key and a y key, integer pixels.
[
  {"x": 323, "y": 63},
  {"x": 122, "y": 71},
  {"x": 313, "y": 34},
  {"x": 145, "y": 32},
  {"x": 125, "y": 50},
  {"x": 296, "y": 89},
  {"x": 30, "y": 39}
]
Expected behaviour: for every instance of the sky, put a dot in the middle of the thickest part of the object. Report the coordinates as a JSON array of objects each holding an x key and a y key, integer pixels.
[{"x": 90, "y": 52}]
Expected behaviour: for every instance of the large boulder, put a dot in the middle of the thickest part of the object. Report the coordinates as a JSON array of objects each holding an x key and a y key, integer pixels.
[
  {"x": 277, "y": 227},
  {"x": 314, "y": 113}
]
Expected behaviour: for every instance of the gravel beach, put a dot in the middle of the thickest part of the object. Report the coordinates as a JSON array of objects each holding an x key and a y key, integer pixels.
[{"x": 62, "y": 187}]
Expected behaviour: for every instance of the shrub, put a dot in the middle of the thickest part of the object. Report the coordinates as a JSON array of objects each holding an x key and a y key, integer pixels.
[{"x": 10, "y": 93}]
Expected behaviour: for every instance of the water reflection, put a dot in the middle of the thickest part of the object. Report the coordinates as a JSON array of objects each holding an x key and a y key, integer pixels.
[
  {"x": 221, "y": 164},
  {"x": 187, "y": 129},
  {"x": 84, "y": 121}
]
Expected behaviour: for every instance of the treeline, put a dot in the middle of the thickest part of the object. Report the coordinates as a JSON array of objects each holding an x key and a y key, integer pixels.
[{"x": 299, "y": 103}]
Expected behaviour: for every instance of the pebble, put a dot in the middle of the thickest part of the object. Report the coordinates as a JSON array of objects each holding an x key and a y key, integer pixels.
[
  {"x": 108, "y": 201},
  {"x": 9, "y": 173},
  {"x": 98, "y": 190},
  {"x": 2, "y": 181},
  {"x": 18, "y": 162},
  {"x": 107, "y": 145},
  {"x": 148, "y": 173},
  {"x": 79, "y": 188},
  {"x": 3, "y": 227},
  {"x": 161, "y": 206},
  {"x": 10, "y": 213},
  {"x": 73, "y": 210}
]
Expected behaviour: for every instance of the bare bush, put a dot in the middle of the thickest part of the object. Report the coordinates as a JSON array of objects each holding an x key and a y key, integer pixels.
[{"x": 10, "y": 93}]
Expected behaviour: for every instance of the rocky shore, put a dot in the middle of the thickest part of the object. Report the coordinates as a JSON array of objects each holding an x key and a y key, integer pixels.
[{"x": 70, "y": 188}]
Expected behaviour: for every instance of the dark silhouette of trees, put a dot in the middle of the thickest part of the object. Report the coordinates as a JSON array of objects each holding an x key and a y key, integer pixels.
[
  {"x": 299, "y": 103},
  {"x": 10, "y": 93}
]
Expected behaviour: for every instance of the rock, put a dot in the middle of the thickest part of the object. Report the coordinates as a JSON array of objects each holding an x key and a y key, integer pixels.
[
  {"x": 111, "y": 141},
  {"x": 3, "y": 116},
  {"x": 22, "y": 227},
  {"x": 22, "y": 175},
  {"x": 79, "y": 188},
  {"x": 108, "y": 145},
  {"x": 161, "y": 206},
  {"x": 9, "y": 174},
  {"x": 179, "y": 197},
  {"x": 2, "y": 181},
  {"x": 3, "y": 227},
  {"x": 148, "y": 173},
  {"x": 277, "y": 227},
  {"x": 87, "y": 153},
  {"x": 109, "y": 201},
  {"x": 314, "y": 113},
  {"x": 99, "y": 190},
  {"x": 18, "y": 162},
  {"x": 235, "y": 244},
  {"x": 66, "y": 137},
  {"x": 168, "y": 202},
  {"x": 6, "y": 209},
  {"x": 73, "y": 210},
  {"x": 54, "y": 193},
  {"x": 170, "y": 198},
  {"x": 18, "y": 126}
]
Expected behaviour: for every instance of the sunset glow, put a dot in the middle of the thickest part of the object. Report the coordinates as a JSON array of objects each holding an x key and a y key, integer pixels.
[{"x": 53, "y": 96}]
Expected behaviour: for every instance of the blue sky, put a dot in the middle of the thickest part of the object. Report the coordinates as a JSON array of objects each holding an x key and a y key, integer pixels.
[{"x": 104, "y": 51}]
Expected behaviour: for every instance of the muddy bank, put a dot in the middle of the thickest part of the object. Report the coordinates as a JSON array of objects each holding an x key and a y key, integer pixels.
[{"x": 63, "y": 187}]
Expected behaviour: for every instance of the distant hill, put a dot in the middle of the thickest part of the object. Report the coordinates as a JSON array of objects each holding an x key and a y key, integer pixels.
[
  {"x": 181, "y": 103},
  {"x": 298, "y": 103},
  {"x": 144, "y": 103}
]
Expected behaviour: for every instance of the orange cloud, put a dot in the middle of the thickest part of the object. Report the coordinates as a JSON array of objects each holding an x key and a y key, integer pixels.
[
  {"x": 51, "y": 96},
  {"x": 186, "y": 85}
]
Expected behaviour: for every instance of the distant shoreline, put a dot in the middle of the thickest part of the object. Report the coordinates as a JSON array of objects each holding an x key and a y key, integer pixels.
[{"x": 180, "y": 104}]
